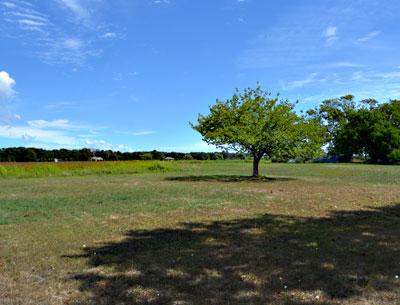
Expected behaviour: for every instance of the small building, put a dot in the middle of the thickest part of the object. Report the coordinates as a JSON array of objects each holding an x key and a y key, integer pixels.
[
  {"x": 169, "y": 159},
  {"x": 96, "y": 159}
]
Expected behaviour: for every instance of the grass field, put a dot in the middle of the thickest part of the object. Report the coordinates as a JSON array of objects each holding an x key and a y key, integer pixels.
[{"x": 195, "y": 232}]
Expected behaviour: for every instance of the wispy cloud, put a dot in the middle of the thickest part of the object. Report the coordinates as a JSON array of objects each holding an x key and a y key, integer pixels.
[
  {"x": 345, "y": 64},
  {"x": 384, "y": 77},
  {"x": 143, "y": 133},
  {"x": 242, "y": 20},
  {"x": 33, "y": 134},
  {"x": 279, "y": 46},
  {"x": 24, "y": 16},
  {"x": 62, "y": 106},
  {"x": 109, "y": 35},
  {"x": 58, "y": 133},
  {"x": 310, "y": 79},
  {"x": 330, "y": 34},
  {"x": 389, "y": 75},
  {"x": 69, "y": 50},
  {"x": 77, "y": 9},
  {"x": 104, "y": 145},
  {"x": 161, "y": 1},
  {"x": 369, "y": 36},
  {"x": 359, "y": 76},
  {"x": 137, "y": 133},
  {"x": 51, "y": 41},
  {"x": 57, "y": 124}
]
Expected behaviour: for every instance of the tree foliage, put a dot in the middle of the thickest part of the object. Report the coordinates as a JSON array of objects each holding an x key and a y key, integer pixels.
[
  {"x": 366, "y": 128},
  {"x": 254, "y": 121}
]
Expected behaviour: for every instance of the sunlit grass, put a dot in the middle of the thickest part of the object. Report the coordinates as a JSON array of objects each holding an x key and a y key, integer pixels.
[{"x": 45, "y": 169}]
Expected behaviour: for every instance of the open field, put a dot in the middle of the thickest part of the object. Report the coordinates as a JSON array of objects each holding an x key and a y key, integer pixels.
[{"x": 196, "y": 232}]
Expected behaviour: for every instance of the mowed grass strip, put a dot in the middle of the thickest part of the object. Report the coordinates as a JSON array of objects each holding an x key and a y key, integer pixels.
[{"x": 203, "y": 233}]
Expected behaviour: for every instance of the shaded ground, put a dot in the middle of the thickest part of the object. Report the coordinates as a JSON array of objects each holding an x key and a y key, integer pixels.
[
  {"x": 348, "y": 257},
  {"x": 228, "y": 178}
]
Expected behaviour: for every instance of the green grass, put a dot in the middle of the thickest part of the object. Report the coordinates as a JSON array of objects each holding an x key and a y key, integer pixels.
[
  {"x": 195, "y": 232},
  {"x": 45, "y": 169}
]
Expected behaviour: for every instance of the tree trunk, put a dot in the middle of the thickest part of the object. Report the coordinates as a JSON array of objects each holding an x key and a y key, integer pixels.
[{"x": 256, "y": 162}]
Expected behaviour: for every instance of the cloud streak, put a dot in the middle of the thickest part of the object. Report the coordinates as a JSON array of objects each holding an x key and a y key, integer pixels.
[
  {"x": 310, "y": 79},
  {"x": 74, "y": 6},
  {"x": 369, "y": 36},
  {"x": 50, "y": 40},
  {"x": 345, "y": 64}
]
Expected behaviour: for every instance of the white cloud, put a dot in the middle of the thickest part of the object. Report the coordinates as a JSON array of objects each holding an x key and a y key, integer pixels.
[
  {"x": 383, "y": 77},
  {"x": 29, "y": 134},
  {"x": 30, "y": 22},
  {"x": 31, "y": 15},
  {"x": 311, "y": 78},
  {"x": 345, "y": 64},
  {"x": 330, "y": 31},
  {"x": 389, "y": 75},
  {"x": 80, "y": 12},
  {"x": 369, "y": 36},
  {"x": 6, "y": 85},
  {"x": 56, "y": 133},
  {"x": 359, "y": 76},
  {"x": 62, "y": 124},
  {"x": 61, "y": 106},
  {"x": 72, "y": 43},
  {"x": 104, "y": 145},
  {"x": 330, "y": 34},
  {"x": 25, "y": 16},
  {"x": 109, "y": 35},
  {"x": 136, "y": 133},
  {"x": 47, "y": 38},
  {"x": 68, "y": 50},
  {"x": 143, "y": 133},
  {"x": 161, "y": 1},
  {"x": 9, "y": 4}
]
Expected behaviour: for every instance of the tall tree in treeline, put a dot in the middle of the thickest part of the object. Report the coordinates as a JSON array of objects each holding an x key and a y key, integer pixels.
[{"x": 255, "y": 122}]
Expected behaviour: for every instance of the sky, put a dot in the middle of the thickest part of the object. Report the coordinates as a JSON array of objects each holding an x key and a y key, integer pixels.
[{"x": 130, "y": 75}]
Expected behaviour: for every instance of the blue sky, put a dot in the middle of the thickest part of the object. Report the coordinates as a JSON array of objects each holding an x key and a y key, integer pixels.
[{"x": 130, "y": 74}]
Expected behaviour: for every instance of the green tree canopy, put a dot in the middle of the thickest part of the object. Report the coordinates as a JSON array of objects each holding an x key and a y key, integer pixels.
[
  {"x": 366, "y": 128},
  {"x": 254, "y": 121}
]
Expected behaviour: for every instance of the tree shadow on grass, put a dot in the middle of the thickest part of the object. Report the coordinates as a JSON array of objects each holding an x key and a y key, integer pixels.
[
  {"x": 228, "y": 178},
  {"x": 271, "y": 259}
]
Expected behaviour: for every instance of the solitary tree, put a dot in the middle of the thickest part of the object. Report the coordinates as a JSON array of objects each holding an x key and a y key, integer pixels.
[{"x": 255, "y": 122}]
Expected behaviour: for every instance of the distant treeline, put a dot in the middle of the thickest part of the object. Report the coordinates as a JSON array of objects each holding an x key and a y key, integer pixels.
[{"x": 24, "y": 154}]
